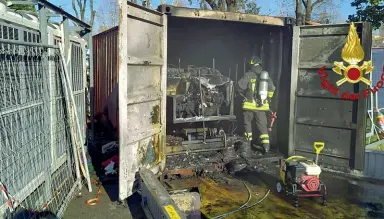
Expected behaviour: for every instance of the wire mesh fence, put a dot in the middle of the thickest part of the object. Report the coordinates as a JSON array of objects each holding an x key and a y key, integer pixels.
[{"x": 36, "y": 165}]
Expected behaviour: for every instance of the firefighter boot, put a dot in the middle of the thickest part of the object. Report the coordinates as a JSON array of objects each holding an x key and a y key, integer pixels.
[
  {"x": 243, "y": 149},
  {"x": 264, "y": 140},
  {"x": 266, "y": 148}
]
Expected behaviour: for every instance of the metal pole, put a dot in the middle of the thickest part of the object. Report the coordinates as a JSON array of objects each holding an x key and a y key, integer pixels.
[
  {"x": 43, "y": 24},
  {"x": 91, "y": 87},
  {"x": 202, "y": 106},
  {"x": 78, "y": 127},
  {"x": 76, "y": 160},
  {"x": 213, "y": 63},
  {"x": 179, "y": 64},
  {"x": 245, "y": 61}
]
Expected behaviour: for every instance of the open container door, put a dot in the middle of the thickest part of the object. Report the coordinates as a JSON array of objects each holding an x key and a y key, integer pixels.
[
  {"x": 316, "y": 115},
  {"x": 142, "y": 92}
]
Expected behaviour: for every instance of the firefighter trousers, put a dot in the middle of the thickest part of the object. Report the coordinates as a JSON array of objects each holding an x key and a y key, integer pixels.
[{"x": 261, "y": 122}]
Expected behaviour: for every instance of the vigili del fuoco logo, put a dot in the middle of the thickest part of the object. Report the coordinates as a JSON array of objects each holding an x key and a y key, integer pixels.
[{"x": 352, "y": 54}]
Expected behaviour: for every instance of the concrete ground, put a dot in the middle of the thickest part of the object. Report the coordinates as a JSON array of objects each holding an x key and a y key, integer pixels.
[{"x": 108, "y": 206}]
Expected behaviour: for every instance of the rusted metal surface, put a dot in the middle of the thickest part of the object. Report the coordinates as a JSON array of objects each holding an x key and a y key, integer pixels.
[
  {"x": 105, "y": 61},
  {"x": 142, "y": 38},
  {"x": 184, "y": 172},
  {"x": 220, "y": 15}
]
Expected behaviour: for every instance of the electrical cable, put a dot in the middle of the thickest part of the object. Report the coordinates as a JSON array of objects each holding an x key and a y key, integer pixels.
[{"x": 243, "y": 207}]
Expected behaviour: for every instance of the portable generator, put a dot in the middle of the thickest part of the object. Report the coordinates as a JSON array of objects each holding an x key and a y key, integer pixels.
[{"x": 299, "y": 177}]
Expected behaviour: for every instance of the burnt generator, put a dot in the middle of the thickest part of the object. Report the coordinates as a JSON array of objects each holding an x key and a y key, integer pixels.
[
  {"x": 300, "y": 178},
  {"x": 199, "y": 100}
]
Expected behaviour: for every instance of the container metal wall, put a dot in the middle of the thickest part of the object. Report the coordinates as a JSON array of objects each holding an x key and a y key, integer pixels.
[
  {"x": 142, "y": 92},
  {"x": 318, "y": 115},
  {"x": 105, "y": 62},
  {"x": 374, "y": 162}
]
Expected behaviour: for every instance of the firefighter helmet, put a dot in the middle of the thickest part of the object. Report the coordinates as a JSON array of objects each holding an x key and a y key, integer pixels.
[{"x": 255, "y": 60}]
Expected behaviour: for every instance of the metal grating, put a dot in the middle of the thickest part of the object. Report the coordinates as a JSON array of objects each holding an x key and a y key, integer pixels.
[{"x": 35, "y": 158}]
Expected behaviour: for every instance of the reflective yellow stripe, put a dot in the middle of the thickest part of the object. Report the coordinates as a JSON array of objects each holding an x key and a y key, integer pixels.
[
  {"x": 248, "y": 136},
  {"x": 270, "y": 94},
  {"x": 252, "y": 106},
  {"x": 253, "y": 83},
  {"x": 264, "y": 136},
  {"x": 265, "y": 141}
]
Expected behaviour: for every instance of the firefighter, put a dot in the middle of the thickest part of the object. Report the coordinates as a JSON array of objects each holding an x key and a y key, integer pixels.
[{"x": 257, "y": 89}]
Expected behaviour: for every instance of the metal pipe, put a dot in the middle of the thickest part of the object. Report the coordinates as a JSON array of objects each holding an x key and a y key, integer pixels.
[
  {"x": 202, "y": 107},
  {"x": 237, "y": 66},
  {"x": 64, "y": 13},
  {"x": 21, "y": 43},
  {"x": 77, "y": 167},
  {"x": 225, "y": 137},
  {"x": 196, "y": 151},
  {"x": 245, "y": 61},
  {"x": 179, "y": 64},
  {"x": 213, "y": 63},
  {"x": 65, "y": 72},
  {"x": 91, "y": 86}
]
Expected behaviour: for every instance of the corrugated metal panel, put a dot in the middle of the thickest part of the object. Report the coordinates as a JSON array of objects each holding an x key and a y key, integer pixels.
[
  {"x": 142, "y": 92},
  {"x": 318, "y": 115},
  {"x": 374, "y": 162},
  {"x": 105, "y": 47}
]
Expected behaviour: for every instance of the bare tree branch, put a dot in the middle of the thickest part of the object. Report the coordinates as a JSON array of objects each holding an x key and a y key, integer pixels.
[
  {"x": 93, "y": 12},
  {"x": 304, "y": 3},
  {"x": 74, "y": 8},
  {"x": 79, "y": 3},
  {"x": 213, "y": 4},
  {"x": 84, "y": 7},
  {"x": 316, "y": 3}
]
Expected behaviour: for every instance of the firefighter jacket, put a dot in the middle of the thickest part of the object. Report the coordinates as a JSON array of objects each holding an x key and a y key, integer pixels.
[{"x": 247, "y": 86}]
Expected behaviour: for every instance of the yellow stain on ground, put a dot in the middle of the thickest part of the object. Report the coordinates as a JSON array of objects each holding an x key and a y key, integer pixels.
[{"x": 222, "y": 197}]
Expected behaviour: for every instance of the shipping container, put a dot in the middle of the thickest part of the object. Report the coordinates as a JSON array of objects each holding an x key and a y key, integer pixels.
[{"x": 138, "y": 52}]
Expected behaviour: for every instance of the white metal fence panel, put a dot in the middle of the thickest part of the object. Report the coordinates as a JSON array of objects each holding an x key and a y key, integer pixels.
[
  {"x": 28, "y": 170},
  {"x": 36, "y": 159}
]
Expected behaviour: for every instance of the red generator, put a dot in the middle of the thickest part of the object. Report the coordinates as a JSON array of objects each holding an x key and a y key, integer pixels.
[{"x": 299, "y": 178}]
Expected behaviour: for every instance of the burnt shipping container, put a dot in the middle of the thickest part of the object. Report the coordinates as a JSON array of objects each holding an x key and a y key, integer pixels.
[{"x": 130, "y": 74}]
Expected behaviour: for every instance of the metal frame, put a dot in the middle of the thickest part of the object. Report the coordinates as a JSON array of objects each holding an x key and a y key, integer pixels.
[
  {"x": 176, "y": 120},
  {"x": 183, "y": 12},
  {"x": 156, "y": 201}
]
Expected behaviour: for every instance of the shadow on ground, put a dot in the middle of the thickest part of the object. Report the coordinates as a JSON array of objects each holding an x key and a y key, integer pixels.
[{"x": 109, "y": 206}]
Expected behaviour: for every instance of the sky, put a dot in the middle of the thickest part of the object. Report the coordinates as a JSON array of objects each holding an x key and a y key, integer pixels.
[{"x": 268, "y": 7}]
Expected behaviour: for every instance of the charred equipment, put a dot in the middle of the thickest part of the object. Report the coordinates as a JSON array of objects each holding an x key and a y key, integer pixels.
[
  {"x": 299, "y": 177},
  {"x": 196, "y": 99}
]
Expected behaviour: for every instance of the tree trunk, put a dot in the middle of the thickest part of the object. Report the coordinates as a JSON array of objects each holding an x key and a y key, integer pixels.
[
  {"x": 308, "y": 10},
  {"x": 213, "y": 4},
  {"x": 231, "y": 5},
  {"x": 299, "y": 9}
]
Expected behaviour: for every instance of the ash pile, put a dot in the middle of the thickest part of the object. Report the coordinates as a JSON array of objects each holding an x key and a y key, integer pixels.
[{"x": 230, "y": 160}]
